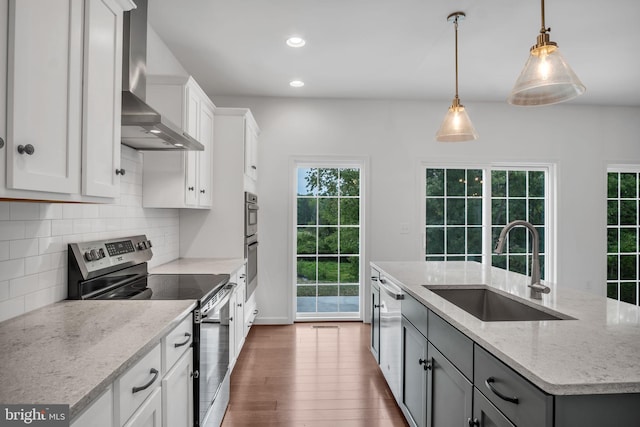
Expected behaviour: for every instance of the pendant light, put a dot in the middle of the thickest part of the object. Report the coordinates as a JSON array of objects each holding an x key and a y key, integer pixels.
[
  {"x": 546, "y": 78},
  {"x": 456, "y": 126}
]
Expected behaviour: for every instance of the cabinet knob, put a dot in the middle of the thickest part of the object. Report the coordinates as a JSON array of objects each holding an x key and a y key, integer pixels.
[
  {"x": 202, "y": 191},
  {"x": 1, "y": 143},
  {"x": 120, "y": 171},
  {"x": 426, "y": 364},
  {"x": 28, "y": 149},
  {"x": 239, "y": 305},
  {"x": 230, "y": 319},
  {"x": 473, "y": 422},
  {"x": 254, "y": 167},
  {"x": 376, "y": 305},
  {"x": 191, "y": 188}
]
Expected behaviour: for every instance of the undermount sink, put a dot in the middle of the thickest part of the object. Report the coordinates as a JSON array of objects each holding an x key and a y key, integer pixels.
[{"x": 490, "y": 306}]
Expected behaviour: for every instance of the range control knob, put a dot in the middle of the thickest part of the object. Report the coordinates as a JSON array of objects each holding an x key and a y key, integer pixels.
[
  {"x": 149, "y": 245},
  {"x": 141, "y": 246},
  {"x": 88, "y": 256},
  {"x": 101, "y": 253},
  {"x": 94, "y": 255}
]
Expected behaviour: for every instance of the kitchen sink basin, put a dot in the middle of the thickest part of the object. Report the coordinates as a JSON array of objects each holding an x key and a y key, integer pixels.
[{"x": 490, "y": 306}]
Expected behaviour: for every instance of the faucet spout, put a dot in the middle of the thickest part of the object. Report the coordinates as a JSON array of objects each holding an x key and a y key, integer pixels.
[{"x": 537, "y": 289}]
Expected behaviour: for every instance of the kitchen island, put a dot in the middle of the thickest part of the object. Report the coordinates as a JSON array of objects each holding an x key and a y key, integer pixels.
[
  {"x": 70, "y": 352},
  {"x": 588, "y": 363}
]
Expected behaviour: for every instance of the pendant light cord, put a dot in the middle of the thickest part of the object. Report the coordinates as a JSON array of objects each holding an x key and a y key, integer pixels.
[
  {"x": 544, "y": 29},
  {"x": 456, "y": 26}
]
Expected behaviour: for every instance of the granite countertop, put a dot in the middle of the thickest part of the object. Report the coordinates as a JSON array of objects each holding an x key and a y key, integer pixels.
[
  {"x": 597, "y": 353},
  {"x": 70, "y": 352},
  {"x": 199, "y": 266}
]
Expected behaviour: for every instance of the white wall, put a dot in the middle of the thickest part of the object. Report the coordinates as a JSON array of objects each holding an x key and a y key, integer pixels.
[
  {"x": 398, "y": 135},
  {"x": 34, "y": 238}
]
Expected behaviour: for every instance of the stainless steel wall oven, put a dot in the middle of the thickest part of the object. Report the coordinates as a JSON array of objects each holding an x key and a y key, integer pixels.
[{"x": 251, "y": 241}]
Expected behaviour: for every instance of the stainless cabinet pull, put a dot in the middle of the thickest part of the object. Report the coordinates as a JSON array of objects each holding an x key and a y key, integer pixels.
[
  {"x": 426, "y": 364},
  {"x": 191, "y": 188},
  {"x": 202, "y": 191},
  {"x": 120, "y": 171},
  {"x": 254, "y": 167},
  {"x": 239, "y": 305},
  {"x": 473, "y": 422},
  {"x": 28, "y": 149},
  {"x": 180, "y": 344},
  {"x": 492, "y": 380},
  {"x": 155, "y": 376}
]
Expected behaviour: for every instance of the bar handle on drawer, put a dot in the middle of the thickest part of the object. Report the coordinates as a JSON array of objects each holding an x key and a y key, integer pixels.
[
  {"x": 180, "y": 344},
  {"x": 490, "y": 381},
  {"x": 155, "y": 376}
]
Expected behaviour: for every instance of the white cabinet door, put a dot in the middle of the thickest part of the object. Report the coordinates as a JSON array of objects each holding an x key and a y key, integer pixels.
[
  {"x": 99, "y": 414},
  {"x": 177, "y": 393},
  {"x": 239, "y": 316},
  {"x": 251, "y": 149},
  {"x": 205, "y": 157},
  {"x": 102, "y": 98},
  {"x": 44, "y": 96},
  {"x": 149, "y": 414},
  {"x": 232, "y": 325}
]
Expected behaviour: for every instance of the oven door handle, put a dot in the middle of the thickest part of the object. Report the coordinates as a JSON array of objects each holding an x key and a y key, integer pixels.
[
  {"x": 230, "y": 286},
  {"x": 253, "y": 207}
]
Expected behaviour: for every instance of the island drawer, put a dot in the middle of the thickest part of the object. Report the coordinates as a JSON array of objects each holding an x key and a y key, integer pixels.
[
  {"x": 176, "y": 343},
  {"x": 452, "y": 343},
  {"x": 522, "y": 402},
  {"x": 415, "y": 313}
]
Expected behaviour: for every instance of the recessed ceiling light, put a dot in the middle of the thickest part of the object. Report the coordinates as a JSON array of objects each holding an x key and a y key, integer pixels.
[
  {"x": 296, "y": 41},
  {"x": 296, "y": 83}
]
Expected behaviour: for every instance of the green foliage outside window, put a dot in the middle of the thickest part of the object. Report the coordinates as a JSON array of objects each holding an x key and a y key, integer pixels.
[{"x": 622, "y": 236}]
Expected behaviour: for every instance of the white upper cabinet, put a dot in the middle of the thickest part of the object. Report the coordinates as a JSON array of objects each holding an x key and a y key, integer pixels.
[
  {"x": 61, "y": 62},
  {"x": 44, "y": 95},
  {"x": 251, "y": 149},
  {"x": 180, "y": 179},
  {"x": 102, "y": 98}
]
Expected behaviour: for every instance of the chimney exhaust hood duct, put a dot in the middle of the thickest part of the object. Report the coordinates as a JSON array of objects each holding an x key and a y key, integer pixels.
[{"x": 143, "y": 128}]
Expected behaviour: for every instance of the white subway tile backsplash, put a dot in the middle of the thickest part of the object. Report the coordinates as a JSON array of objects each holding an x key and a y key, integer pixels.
[
  {"x": 4, "y": 251},
  {"x": 11, "y": 269},
  {"x": 36, "y": 235},
  {"x": 11, "y": 230},
  {"x": 37, "y": 264},
  {"x": 60, "y": 227},
  {"x": 24, "y": 211},
  {"x": 23, "y": 285},
  {"x": 50, "y": 211},
  {"x": 37, "y": 228},
  {"x": 5, "y": 212},
  {"x": 23, "y": 248},
  {"x": 4, "y": 290},
  {"x": 11, "y": 308}
]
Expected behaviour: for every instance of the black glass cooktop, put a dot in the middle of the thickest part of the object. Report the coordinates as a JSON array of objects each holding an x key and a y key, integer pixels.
[{"x": 168, "y": 287}]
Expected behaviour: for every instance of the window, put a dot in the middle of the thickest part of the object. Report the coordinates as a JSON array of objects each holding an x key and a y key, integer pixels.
[
  {"x": 622, "y": 235},
  {"x": 466, "y": 208},
  {"x": 327, "y": 255}
]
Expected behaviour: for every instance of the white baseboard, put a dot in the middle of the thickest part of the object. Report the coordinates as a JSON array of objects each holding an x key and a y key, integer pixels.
[{"x": 271, "y": 321}]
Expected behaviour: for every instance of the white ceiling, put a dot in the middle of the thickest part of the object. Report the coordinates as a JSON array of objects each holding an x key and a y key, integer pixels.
[{"x": 398, "y": 49}]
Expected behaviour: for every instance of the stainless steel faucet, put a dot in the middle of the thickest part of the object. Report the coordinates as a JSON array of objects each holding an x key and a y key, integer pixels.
[{"x": 537, "y": 289}]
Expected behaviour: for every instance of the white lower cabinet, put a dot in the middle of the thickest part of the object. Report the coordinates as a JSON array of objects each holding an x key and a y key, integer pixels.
[
  {"x": 237, "y": 319},
  {"x": 177, "y": 393},
  {"x": 150, "y": 413},
  {"x": 99, "y": 414}
]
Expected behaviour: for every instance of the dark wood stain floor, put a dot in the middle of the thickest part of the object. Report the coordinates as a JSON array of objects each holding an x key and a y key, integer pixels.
[{"x": 302, "y": 376}]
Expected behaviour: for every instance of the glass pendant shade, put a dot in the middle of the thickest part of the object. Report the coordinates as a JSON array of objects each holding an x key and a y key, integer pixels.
[
  {"x": 546, "y": 79},
  {"x": 456, "y": 126}
]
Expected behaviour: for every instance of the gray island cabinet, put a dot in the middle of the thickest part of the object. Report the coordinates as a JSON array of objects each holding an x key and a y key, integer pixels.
[{"x": 460, "y": 371}]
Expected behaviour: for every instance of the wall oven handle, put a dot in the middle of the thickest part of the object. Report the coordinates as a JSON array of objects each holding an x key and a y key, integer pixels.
[
  {"x": 180, "y": 344},
  {"x": 153, "y": 371},
  {"x": 230, "y": 286}
]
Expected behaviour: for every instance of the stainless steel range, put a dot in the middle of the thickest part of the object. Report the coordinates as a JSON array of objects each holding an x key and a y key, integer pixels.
[{"x": 116, "y": 269}]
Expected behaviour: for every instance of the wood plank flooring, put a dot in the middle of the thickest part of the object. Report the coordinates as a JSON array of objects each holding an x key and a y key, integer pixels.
[{"x": 310, "y": 375}]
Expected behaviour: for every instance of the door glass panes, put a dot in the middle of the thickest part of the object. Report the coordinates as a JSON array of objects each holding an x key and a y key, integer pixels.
[
  {"x": 454, "y": 214},
  {"x": 328, "y": 242},
  {"x": 623, "y": 253},
  {"x": 518, "y": 194},
  {"x": 457, "y": 228}
]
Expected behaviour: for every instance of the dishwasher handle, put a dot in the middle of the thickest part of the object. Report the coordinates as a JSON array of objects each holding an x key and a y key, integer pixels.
[{"x": 391, "y": 289}]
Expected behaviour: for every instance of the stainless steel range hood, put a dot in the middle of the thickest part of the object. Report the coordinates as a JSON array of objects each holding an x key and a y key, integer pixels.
[{"x": 143, "y": 128}]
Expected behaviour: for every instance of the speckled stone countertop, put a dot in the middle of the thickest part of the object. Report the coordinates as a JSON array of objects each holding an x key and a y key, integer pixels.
[
  {"x": 597, "y": 353},
  {"x": 69, "y": 352},
  {"x": 199, "y": 266}
]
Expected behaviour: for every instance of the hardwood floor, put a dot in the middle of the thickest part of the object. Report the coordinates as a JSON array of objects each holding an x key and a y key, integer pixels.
[{"x": 310, "y": 374}]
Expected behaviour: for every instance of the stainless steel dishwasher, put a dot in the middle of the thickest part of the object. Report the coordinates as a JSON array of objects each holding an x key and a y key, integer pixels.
[{"x": 391, "y": 335}]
